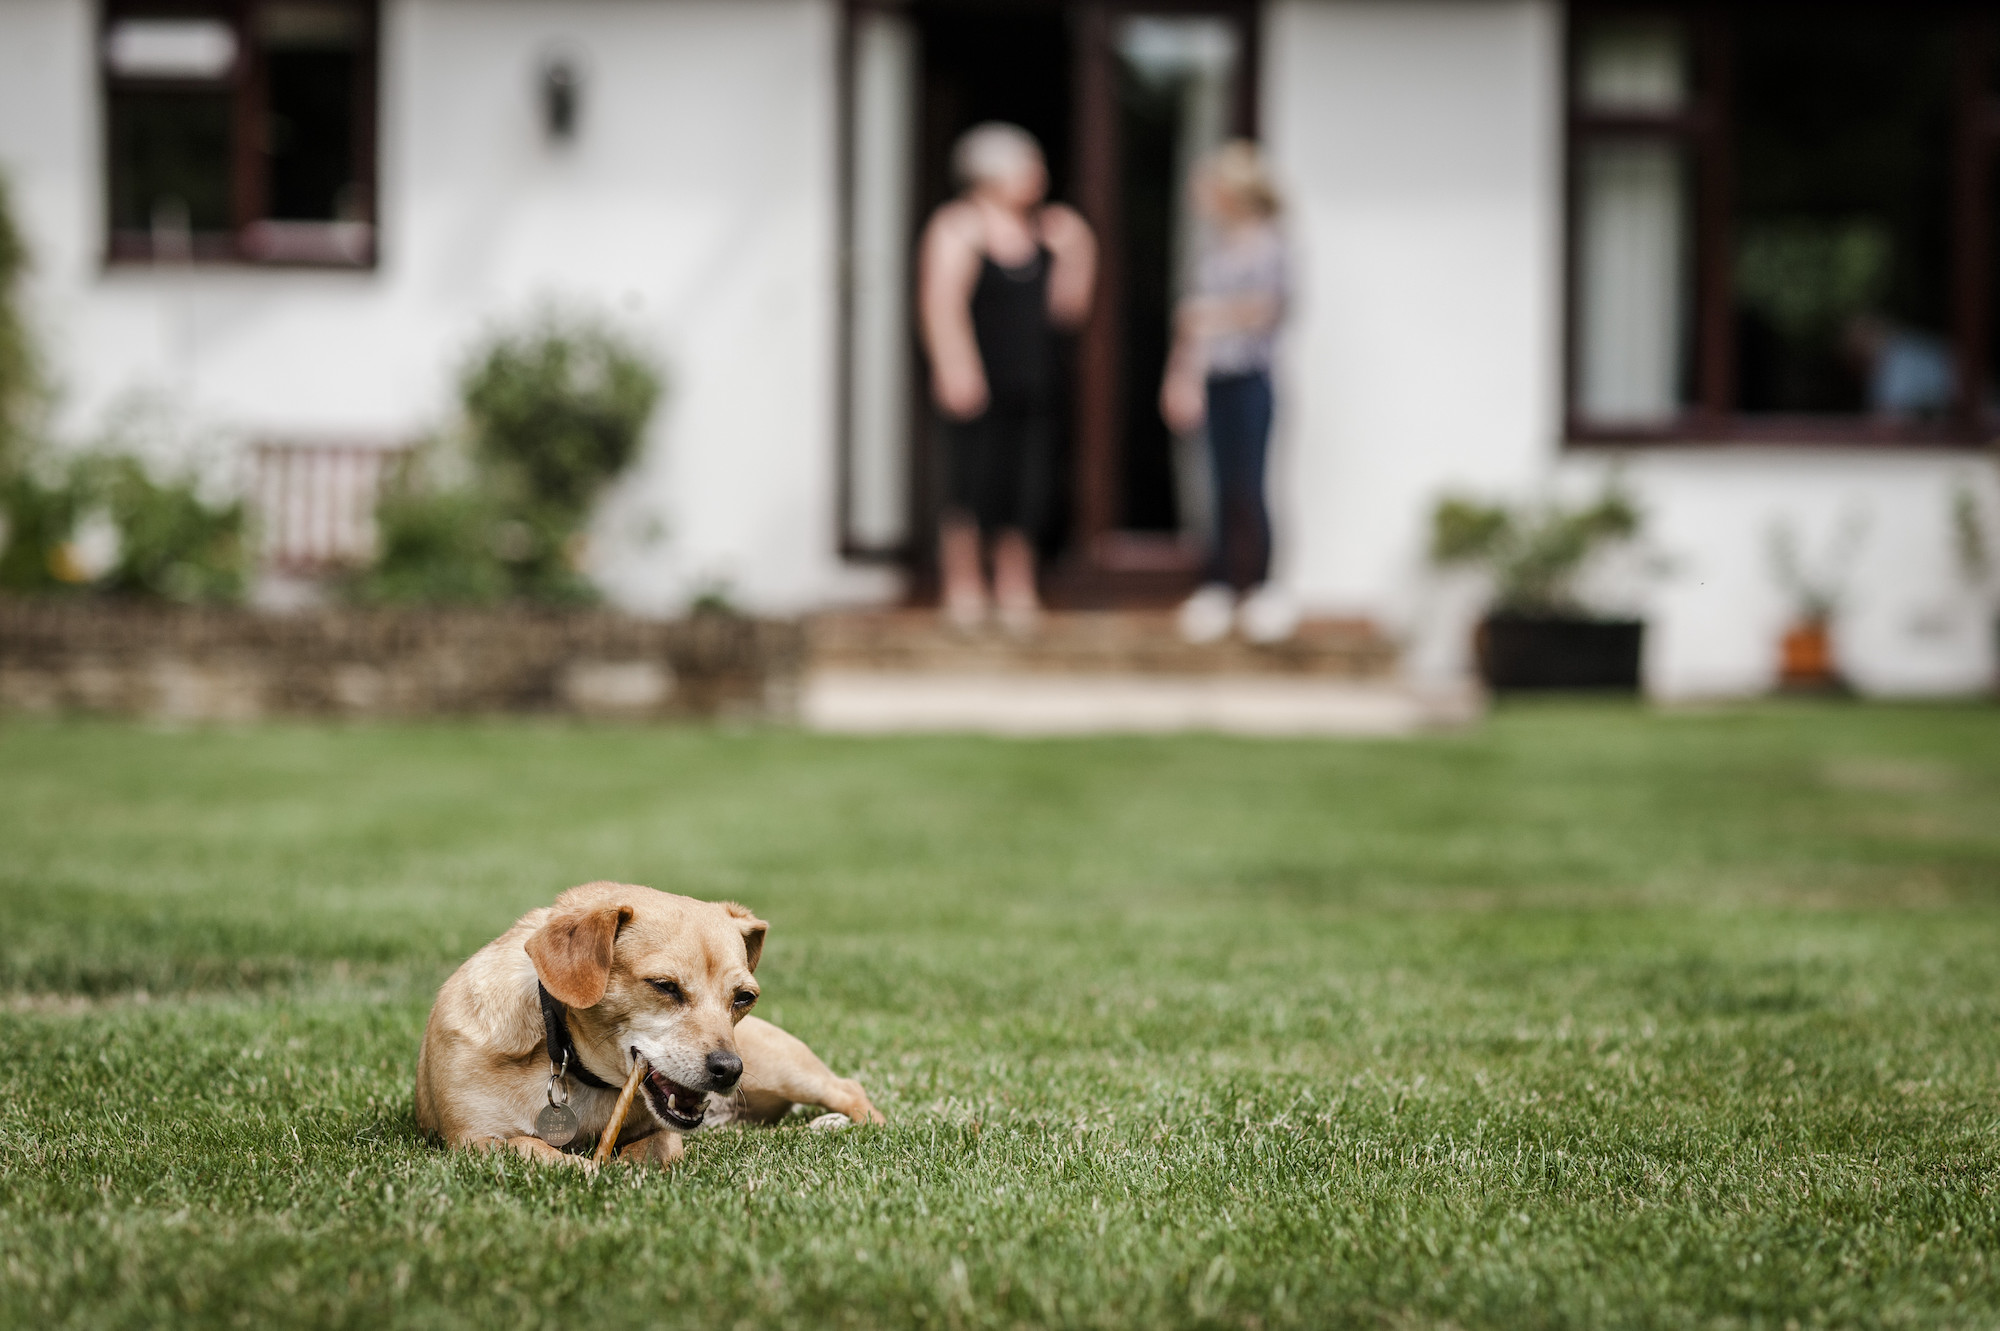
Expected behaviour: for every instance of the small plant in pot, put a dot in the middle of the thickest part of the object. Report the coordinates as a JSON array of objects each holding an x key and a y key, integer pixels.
[
  {"x": 1806, "y": 658},
  {"x": 1537, "y": 632}
]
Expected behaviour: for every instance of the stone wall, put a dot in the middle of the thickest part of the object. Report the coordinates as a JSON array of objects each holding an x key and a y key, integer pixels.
[{"x": 176, "y": 663}]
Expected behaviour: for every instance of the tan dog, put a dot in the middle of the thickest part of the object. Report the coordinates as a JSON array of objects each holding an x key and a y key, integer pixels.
[{"x": 627, "y": 971}]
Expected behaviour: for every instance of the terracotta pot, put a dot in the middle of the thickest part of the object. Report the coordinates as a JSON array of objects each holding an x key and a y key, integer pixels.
[{"x": 1805, "y": 656}]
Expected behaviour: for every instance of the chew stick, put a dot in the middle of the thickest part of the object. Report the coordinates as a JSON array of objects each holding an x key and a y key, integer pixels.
[{"x": 608, "y": 1141}]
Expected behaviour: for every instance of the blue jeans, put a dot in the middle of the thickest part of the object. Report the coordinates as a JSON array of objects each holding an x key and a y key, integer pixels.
[{"x": 1239, "y": 436}]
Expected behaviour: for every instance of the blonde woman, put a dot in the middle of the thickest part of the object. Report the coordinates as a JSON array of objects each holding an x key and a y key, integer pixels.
[{"x": 1219, "y": 375}]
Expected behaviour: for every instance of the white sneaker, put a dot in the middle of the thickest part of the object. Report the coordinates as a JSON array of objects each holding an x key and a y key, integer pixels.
[
  {"x": 1267, "y": 615},
  {"x": 1205, "y": 616}
]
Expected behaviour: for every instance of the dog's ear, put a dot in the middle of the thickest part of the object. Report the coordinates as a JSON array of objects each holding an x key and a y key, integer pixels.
[
  {"x": 572, "y": 952},
  {"x": 753, "y": 929}
]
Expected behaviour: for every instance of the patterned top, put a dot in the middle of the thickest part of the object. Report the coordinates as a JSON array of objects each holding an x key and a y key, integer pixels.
[{"x": 1251, "y": 262}]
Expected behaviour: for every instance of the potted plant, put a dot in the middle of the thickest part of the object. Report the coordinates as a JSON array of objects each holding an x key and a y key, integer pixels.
[
  {"x": 1537, "y": 633},
  {"x": 1806, "y": 659}
]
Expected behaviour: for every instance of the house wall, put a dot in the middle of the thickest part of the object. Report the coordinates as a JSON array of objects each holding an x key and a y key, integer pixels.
[
  {"x": 696, "y": 209},
  {"x": 1421, "y": 142}
]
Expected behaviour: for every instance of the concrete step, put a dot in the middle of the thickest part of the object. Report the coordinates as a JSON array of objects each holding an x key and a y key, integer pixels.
[
  {"x": 1107, "y": 672},
  {"x": 1124, "y": 642},
  {"x": 880, "y": 702}
]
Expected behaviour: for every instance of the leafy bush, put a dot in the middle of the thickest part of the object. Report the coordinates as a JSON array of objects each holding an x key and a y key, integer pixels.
[
  {"x": 460, "y": 546},
  {"x": 99, "y": 521},
  {"x": 104, "y": 524},
  {"x": 35, "y": 523},
  {"x": 555, "y": 412},
  {"x": 1535, "y": 555},
  {"x": 19, "y": 383}
]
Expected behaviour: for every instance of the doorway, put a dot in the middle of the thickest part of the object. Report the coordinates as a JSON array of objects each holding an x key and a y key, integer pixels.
[{"x": 1124, "y": 100}]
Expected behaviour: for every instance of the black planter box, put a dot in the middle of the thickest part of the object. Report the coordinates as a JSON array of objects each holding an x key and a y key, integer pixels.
[{"x": 1518, "y": 653}]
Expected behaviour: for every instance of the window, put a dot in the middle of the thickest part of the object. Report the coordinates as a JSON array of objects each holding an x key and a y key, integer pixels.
[
  {"x": 240, "y": 131},
  {"x": 1783, "y": 223}
]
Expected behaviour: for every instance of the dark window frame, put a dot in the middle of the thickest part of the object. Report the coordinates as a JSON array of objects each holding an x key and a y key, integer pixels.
[
  {"x": 1705, "y": 128},
  {"x": 253, "y": 239}
]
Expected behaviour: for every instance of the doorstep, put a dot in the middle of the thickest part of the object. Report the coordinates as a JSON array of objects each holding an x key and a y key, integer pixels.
[
  {"x": 850, "y": 701},
  {"x": 1108, "y": 672}
]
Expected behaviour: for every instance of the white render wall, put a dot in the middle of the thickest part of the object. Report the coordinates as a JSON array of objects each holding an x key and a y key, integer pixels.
[
  {"x": 1420, "y": 139},
  {"x": 696, "y": 208},
  {"x": 1421, "y": 144}
]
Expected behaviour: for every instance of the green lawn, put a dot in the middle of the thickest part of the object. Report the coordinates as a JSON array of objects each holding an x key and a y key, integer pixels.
[{"x": 1591, "y": 1017}]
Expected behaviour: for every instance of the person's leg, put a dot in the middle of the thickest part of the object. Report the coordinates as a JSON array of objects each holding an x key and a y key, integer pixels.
[
  {"x": 1218, "y": 438},
  {"x": 1207, "y": 615},
  {"x": 1267, "y": 614},
  {"x": 1025, "y": 443},
  {"x": 1255, "y": 447},
  {"x": 958, "y": 566},
  {"x": 967, "y": 463},
  {"x": 1232, "y": 446},
  {"x": 1014, "y": 578}
]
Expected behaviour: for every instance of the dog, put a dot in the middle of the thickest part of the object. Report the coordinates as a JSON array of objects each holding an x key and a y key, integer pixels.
[{"x": 556, "y": 1009}]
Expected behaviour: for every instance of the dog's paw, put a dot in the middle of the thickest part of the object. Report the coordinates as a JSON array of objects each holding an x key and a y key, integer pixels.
[
  {"x": 830, "y": 1123},
  {"x": 662, "y": 1148}
]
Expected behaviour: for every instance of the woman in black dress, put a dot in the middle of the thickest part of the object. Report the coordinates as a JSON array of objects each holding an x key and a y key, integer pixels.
[{"x": 1001, "y": 274}]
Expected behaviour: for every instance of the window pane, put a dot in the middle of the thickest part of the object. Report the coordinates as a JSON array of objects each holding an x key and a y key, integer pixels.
[
  {"x": 312, "y": 63},
  {"x": 1842, "y": 244},
  {"x": 1633, "y": 284},
  {"x": 171, "y": 48},
  {"x": 1633, "y": 65},
  {"x": 170, "y": 163}
]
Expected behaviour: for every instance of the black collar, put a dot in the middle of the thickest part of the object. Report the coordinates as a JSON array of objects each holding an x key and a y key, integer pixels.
[{"x": 562, "y": 1050}]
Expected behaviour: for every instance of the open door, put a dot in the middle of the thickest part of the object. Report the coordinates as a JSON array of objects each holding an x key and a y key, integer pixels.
[
  {"x": 1158, "y": 87},
  {"x": 1124, "y": 99}
]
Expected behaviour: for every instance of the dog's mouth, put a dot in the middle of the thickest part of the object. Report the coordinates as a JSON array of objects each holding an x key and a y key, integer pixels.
[{"x": 674, "y": 1104}]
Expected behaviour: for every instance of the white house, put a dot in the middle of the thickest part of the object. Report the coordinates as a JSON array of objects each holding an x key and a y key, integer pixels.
[{"x": 1749, "y": 256}]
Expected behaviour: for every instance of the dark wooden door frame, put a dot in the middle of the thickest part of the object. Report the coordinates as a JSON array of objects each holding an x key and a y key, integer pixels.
[{"x": 1105, "y": 564}]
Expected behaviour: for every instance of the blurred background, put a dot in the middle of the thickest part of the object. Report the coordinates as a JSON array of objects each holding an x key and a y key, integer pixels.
[{"x": 1640, "y": 348}]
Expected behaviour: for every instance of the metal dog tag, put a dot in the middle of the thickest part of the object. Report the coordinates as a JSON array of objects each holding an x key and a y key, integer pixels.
[{"x": 556, "y": 1125}]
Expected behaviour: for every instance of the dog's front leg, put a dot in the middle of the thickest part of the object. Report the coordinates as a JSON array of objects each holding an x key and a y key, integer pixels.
[
  {"x": 534, "y": 1148},
  {"x": 779, "y": 1071},
  {"x": 662, "y": 1148}
]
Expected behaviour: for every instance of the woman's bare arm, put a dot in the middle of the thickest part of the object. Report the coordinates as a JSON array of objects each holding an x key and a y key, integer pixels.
[
  {"x": 947, "y": 272},
  {"x": 1183, "y": 394},
  {"x": 1073, "y": 272},
  {"x": 1232, "y": 314}
]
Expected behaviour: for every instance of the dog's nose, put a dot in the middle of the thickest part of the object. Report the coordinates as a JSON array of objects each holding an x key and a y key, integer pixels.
[{"x": 724, "y": 1068}]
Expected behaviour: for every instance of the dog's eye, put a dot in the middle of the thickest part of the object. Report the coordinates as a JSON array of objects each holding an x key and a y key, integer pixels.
[
  {"x": 669, "y": 988},
  {"x": 744, "y": 998}
]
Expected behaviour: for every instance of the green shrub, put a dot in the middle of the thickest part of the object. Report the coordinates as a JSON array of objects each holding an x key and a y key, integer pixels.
[
  {"x": 37, "y": 519},
  {"x": 104, "y": 524},
  {"x": 1535, "y": 555},
  {"x": 555, "y": 412},
  {"x": 434, "y": 547},
  {"x": 19, "y": 383},
  {"x": 98, "y": 522}
]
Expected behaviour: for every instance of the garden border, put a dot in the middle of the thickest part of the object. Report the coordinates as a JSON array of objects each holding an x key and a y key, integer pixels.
[{"x": 227, "y": 664}]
